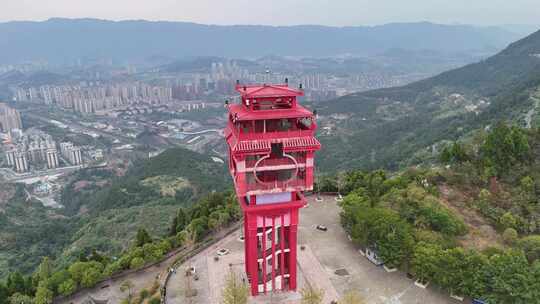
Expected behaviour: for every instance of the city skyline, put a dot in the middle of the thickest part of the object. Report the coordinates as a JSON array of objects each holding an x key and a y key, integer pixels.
[{"x": 281, "y": 12}]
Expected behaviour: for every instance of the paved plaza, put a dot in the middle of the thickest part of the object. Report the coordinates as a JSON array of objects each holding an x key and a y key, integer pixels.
[{"x": 328, "y": 261}]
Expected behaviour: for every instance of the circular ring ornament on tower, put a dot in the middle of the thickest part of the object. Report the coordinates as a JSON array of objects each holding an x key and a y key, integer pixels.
[{"x": 296, "y": 169}]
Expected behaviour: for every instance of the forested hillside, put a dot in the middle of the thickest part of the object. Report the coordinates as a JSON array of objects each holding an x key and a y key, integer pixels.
[
  {"x": 103, "y": 212},
  {"x": 399, "y": 126},
  {"x": 470, "y": 225}
]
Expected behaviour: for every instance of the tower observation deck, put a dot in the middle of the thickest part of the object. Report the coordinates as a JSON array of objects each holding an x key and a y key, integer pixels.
[{"x": 271, "y": 140}]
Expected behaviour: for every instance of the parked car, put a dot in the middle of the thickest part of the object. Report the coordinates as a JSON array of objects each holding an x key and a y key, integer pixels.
[
  {"x": 322, "y": 227},
  {"x": 222, "y": 252}
]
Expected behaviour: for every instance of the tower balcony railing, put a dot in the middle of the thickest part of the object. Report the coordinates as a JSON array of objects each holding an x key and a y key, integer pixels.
[
  {"x": 275, "y": 134},
  {"x": 240, "y": 135},
  {"x": 267, "y": 164}
]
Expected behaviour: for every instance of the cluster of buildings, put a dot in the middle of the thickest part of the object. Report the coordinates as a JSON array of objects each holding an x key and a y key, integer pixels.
[
  {"x": 96, "y": 97},
  {"x": 9, "y": 118},
  {"x": 222, "y": 76},
  {"x": 39, "y": 151},
  {"x": 71, "y": 153}
]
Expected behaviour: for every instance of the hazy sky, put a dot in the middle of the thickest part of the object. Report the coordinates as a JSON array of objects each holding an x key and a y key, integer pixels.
[{"x": 282, "y": 12}]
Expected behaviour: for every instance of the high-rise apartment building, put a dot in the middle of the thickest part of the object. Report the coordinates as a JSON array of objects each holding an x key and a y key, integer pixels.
[{"x": 9, "y": 118}]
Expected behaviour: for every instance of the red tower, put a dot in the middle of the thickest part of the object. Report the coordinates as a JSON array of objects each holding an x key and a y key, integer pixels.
[{"x": 271, "y": 141}]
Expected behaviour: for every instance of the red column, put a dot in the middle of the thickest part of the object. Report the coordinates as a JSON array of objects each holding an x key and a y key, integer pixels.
[
  {"x": 264, "y": 254},
  {"x": 282, "y": 255},
  {"x": 251, "y": 259},
  {"x": 246, "y": 243},
  {"x": 274, "y": 253},
  {"x": 292, "y": 256}
]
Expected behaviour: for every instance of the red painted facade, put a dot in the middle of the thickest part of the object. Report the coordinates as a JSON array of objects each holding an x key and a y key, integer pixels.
[{"x": 272, "y": 142}]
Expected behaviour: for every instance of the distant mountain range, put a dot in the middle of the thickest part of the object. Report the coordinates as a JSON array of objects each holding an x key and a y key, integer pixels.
[
  {"x": 67, "y": 40},
  {"x": 400, "y": 126}
]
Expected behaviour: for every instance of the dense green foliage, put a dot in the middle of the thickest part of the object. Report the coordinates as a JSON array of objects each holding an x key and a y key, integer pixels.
[
  {"x": 26, "y": 230},
  {"x": 410, "y": 229},
  {"x": 392, "y": 216},
  {"x": 406, "y": 219},
  {"x": 102, "y": 212},
  {"x": 503, "y": 168},
  {"x": 203, "y": 174},
  {"x": 212, "y": 213}
]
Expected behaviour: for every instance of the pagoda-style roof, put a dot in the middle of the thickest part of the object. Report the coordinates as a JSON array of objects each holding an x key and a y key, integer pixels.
[
  {"x": 267, "y": 90},
  {"x": 241, "y": 113}
]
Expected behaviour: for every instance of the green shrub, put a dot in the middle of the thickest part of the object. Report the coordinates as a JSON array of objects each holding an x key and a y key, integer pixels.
[
  {"x": 531, "y": 247},
  {"x": 510, "y": 236},
  {"x": 154, "y": 300}
]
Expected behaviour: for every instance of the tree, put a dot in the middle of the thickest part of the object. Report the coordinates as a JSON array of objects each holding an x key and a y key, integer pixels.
[
  {"x": 44, "y": 269},
  {"x": 86, "y": 273},
  {"x": 509, "y": 279},
  {"x": 453, "y": 264},
  {"x": 67, "y": 288},
  {"x": 16, "y": 284},
  {"x": 380, "y": 227},
  {"x": 136, "y": 262},
  {"x": 426, "y": 261},
  {"x": 58, "y": 278},
  {"x": 351, "y": 297},
  {"x": 127, "y": 285},
  {"x": 3, "y": 293},
  {"x": 182, "y": 219},
  {"x": 510, "y": 236},
  {"x": 142, "y": 237},
  {"x": 43, "y": 294},
  {"x": 473, "y": 282},
  {"x": 235, "y": 291},
  {"x": 508, "y": 220},
  {"x": 504, "y": 146},
  {"x": 531, "y": 247},
  {"x": 392, "y": 236},
  {"x": 19, "y": 298},
  {"x": 76, "y": 270},
  {"x": 454, "y": 154},
  {"x": 90, "y": 277},
  {"x": 199, "y": 227},
  {"x": 174, "y": 225},
  {"x": 312, "y": 295}
]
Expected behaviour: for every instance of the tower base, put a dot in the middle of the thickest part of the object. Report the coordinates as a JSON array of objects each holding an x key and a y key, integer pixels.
[{"x": 270, "y": 234}]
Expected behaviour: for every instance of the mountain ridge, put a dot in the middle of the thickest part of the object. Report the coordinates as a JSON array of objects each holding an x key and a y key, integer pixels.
[
  {"x": 390, "y": 127},
  {"x": 61, "y": 40}
]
